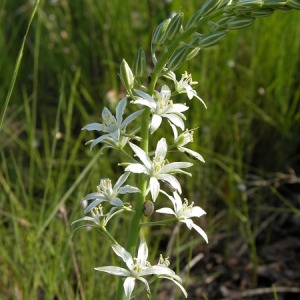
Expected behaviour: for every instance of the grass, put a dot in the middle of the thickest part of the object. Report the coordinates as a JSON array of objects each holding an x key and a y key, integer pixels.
[{"x": 68, "y": 72}]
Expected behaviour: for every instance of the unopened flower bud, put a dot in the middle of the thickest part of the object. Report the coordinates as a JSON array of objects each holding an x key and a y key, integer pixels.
[
  {"x": 174, "y": 26},
  {"x": 139, "y": 63},
  {"x": 193, "y": 53},
  {"x": 295, "y": 4},
  {"x": 262, "y": 12},
  {"x": 178, "y": 57},
  {"x": 275, "y": 4},
  {"x": 207, "y": 8},
  {"x": 210, "y": 39},
  {"x": 239, "y": 22},
  {"x": 126, "y": 75},
  {"x": 248, "y": 5},
  {"x": 159, "y": 35}
]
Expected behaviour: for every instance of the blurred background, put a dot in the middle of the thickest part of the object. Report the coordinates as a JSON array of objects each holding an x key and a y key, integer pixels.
[{"x": 249, "y": 137}]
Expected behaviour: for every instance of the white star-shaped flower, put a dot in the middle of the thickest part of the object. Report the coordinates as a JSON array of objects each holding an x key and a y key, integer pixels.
[
  {"x": 184, "y": 138},
  {"x": 184, "y": 85},
  {"x": 138, "y": 268},
  {"x": 158, "y": 168},
  {"x": 100, "y": 219},
  {"x": 184, "y": 212},
  {"x": 108, "y": 193},
  {"x": 161, "y": 106},
  {"x": 114, "y": 127}
]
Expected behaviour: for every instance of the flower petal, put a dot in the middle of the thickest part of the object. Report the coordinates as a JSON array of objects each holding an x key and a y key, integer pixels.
[
  {"x": 200, "y": 231},
  {"x": 120, "y": 111},
  {"x": 137, "y": 168},
  {"x": 141, "y": 155},
  {"x": 114, "y": 270},
  {"x": 165, "y": 210},
  {"x": 143, "y": 250},
  {"x": 154, "y": 188},
  {"x": 155, "y": 123},
  {"x": 128, "y": 287},
  {"x": 125, "y": 255},
  {"x": 93, "y": 126}
]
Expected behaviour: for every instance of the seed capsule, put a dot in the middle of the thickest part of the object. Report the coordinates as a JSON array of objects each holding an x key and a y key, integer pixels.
[
  {"x": 148, "y": 208},
  {"x": 169, "y": 186}
]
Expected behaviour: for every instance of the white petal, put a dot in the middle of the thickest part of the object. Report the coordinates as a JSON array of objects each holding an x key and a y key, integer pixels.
[
  {"x": 128, "y": 189},
  {"x": 131, "y": 117},
  {"x": 128, "y": 287},
  {"x": 121, "y": 252},
  {"x": 174, "y": 167},
  {"x": 144, "y": 95},
  {"x": 137, "y": 168},
  {"x": 93, "y": 126},
  {"x": 158, "y": 270},
  {"x": 155, "y": 123},
  {"x": 193, "y": 153},
  {"x": 175, "y": 132},
  {"x": 165, "y": 210},
  {"x": 120, "y": 111},
  {"x": 141, "y": 155},
  {"x": 154, "y": 188},
  {"x": 171, "y": 180},
  {"x": 175, "y": 120},
  {"x": 178, "y": 202},
  {"x": 143, "y": 250},
  {"x": 145, "y": 102},
  {"x": 196, "y": 212},
  {"x": 201, "y": 232},
  {"x": 120, "y": 181},
  {"x": 114, "y": 270},
  {"x": 165, "y": 91},
  {"x": 116, "y": 202},
  {"x": 178, "y": 284},
  {"x": 161, "y": 149}
]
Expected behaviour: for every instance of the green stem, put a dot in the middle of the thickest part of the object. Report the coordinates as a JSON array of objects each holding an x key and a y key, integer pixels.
[{"x": 159, "y": 223}]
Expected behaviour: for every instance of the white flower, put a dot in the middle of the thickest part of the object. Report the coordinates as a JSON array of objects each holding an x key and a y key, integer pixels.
[
  {"x": 158, "y": 168},
  {"x": 184, "y": 138},
  {"x": 108, "y": 193},
  {"x": 161, "y": 106},
  {"x": 138, "y": 268},
  {"x": 114, "y": 127},
  {"x": 185, "y": 85},
  {"x": 183, "y": 212},
  {"x": 98, "y": 218}
]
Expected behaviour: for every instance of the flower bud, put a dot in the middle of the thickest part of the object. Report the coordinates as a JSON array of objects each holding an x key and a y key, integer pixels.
[
  {"x": 207, "y": 8},
  {"x": 248, "y": 5},
  {"x": 210, "y": 39},
  {"x": 178, "y": 57},
  {"x": 159, "y": 35},
  {"x": 174, "y": 26},
  {"x": 274, "y": 4},
  {"x": 126, "y": 75},
  {"x": 193, "y": 53},
  {"x": 295, "y": 4},
  {"x": 139, "y": 63},
  {"x": 262, "y": 12},
  {"x": 239, "y": 22}
]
